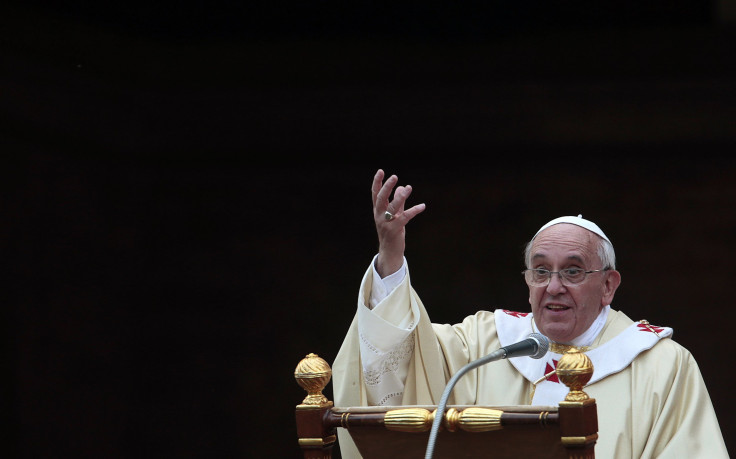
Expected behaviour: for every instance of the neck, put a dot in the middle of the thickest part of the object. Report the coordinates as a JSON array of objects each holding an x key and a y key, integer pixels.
[{"x": 586, "y": 338}]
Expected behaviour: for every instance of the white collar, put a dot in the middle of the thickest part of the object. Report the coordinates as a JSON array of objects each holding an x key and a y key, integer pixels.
[
  {"x": 609, "y": 358},
  {"x": 589, "y": 335}
]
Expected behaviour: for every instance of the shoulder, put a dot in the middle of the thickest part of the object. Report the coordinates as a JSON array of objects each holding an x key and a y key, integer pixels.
[
  {"x": 508, "y": 326},
  {"x": 667, "y": 362},
  {"x": 665, "y": 349},
  {"x": 481, "y": 323},
  {"x": 668, "y": 350},
  {"x": 482, "y": 318}
]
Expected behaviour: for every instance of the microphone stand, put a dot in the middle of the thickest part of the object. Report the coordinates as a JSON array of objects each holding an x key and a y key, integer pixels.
[
  {"x": 495, "y": 355},
  {"x": 535, "y": 347}
]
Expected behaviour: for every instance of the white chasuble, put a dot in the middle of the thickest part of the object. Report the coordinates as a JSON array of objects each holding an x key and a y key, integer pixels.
[{"x": 651, "y": 398}]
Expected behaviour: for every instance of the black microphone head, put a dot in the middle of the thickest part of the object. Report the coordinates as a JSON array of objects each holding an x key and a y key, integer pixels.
[
  {"x": 535, "y": 346},
  {"x": 542, "y": 345}
]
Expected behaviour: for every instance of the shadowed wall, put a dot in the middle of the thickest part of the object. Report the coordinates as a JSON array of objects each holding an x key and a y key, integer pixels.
[{"x": 187, "y": 218}]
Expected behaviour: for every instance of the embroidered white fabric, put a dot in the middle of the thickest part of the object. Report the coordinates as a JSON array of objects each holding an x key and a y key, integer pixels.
[
  {"x": 385, "y": 348},
  {"x": 385, "y": 377},
  {"x": 388, "y": 362}
]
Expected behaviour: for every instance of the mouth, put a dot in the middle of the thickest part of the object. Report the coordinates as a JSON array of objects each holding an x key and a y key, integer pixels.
[{"x": 556, "y": 307}]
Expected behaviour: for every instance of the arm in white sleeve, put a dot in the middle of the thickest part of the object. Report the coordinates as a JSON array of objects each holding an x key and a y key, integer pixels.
[
  {"x": 386, "y": 339},
  {"x": 383, "y": 286}
]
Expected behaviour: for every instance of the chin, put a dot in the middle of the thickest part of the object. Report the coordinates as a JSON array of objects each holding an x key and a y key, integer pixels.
[{"x": 557, "y": 335}]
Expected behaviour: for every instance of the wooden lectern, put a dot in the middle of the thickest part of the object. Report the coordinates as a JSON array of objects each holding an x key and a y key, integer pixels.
[{"x": 568, "y": 431}]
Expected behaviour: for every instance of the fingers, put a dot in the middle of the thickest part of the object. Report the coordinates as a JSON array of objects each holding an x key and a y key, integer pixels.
[
  {"x": 381, "y": 192},
  {"x": 401, "y": 194},
  {"x": 377, "y": 184},
  {"x": 414, "y": 211}
]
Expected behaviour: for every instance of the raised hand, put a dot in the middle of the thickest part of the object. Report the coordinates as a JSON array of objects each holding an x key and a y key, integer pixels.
[{"x": 391, "y": 217}]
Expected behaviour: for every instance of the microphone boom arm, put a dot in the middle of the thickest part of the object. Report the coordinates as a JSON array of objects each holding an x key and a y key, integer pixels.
[
  {"x": 495, "y": 355},
  {"x": 535, "y": 346}
]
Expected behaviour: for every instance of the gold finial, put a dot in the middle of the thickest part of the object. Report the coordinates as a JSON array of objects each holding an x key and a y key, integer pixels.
[
  {"x": 575, "y": 370},
  {"x": 312, "y": 374}
]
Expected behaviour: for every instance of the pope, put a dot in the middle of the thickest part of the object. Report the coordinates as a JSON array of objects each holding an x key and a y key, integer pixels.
[{"x": 651, "y": 397}]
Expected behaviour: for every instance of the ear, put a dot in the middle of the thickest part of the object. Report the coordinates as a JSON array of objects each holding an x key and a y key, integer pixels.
[{"x": 613, "y": 280}]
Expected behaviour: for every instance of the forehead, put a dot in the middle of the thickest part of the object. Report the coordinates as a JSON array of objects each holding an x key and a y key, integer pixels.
[{"x": 565, "y": 241}]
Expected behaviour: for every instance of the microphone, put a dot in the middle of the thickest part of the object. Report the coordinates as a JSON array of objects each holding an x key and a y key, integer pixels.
[{"x": 535, "y": 346}]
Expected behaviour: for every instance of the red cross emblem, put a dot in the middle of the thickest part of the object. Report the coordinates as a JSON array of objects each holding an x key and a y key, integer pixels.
[
  {"x": 649, "y": 328},
  {"x": 516, "y": 314},
  {"x": 549, "y": 368}
]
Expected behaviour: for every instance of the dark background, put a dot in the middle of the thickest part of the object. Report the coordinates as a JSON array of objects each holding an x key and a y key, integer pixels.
[{"x": 186, "y": 197}]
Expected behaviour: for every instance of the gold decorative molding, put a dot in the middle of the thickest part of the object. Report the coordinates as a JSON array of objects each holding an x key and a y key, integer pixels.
[
  {"x": 312, "y": 374},
  {"x": 474, "y": 419},
  {"x": 471, "y": 419},
  {"x": 579, "y": 441},
  {"x": 409, "y": 420},
  {"x": 558, "y": 348},
  {"x": 317, "y": 441}
]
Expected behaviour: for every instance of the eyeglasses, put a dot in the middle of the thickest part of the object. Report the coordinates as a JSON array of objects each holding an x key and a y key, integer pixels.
[{"x": 540, "y": 277}]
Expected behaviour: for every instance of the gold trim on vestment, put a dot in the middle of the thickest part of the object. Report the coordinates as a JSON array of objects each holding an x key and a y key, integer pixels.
[{"x": 558, "y": 348}]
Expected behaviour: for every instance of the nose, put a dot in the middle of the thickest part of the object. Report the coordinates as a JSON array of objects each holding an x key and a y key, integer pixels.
[{"x": 555, "y": 285}]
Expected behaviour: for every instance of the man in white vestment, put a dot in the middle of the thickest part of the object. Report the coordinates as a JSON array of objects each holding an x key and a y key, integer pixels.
[{"x": 651, "y": 398}]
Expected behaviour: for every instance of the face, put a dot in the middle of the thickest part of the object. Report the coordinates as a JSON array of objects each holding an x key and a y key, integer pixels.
[{"x": 562, "y": 312}]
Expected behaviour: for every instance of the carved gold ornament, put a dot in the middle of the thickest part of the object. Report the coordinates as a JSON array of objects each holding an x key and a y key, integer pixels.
[
  {"x": 312, "y": 374},
  {"x": 575, "y": 370},
  {"x": 473, "y": 419},
  {"x": 409, "y": 420}
]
